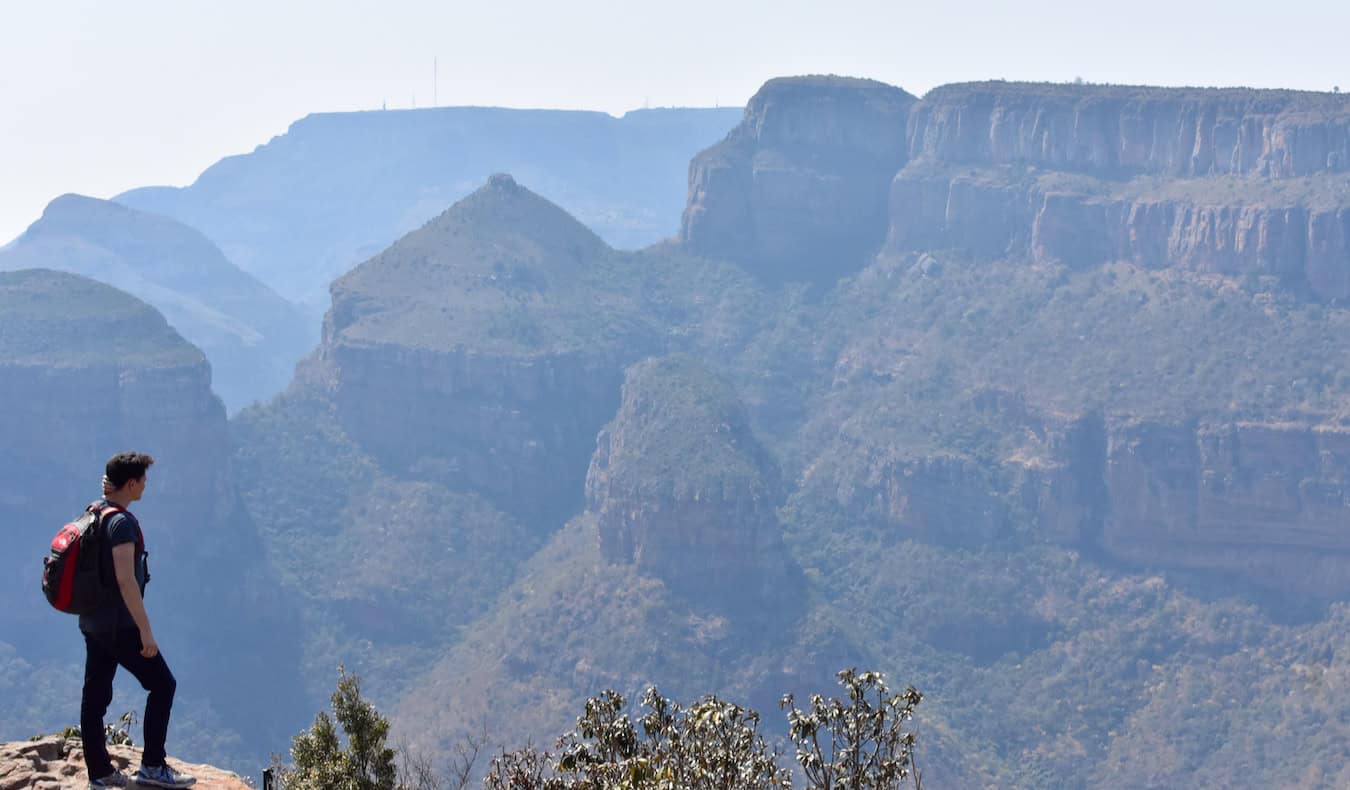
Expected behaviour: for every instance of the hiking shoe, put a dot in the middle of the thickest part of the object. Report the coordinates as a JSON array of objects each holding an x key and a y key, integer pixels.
[
  {"x": 114, "y": 779},
  {"x": 163, "y": 776}
]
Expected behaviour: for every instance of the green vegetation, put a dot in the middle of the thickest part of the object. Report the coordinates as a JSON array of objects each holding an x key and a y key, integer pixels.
[
  {"x": 681, "y": 429},
  {"x": 43, "y": 325},
  {"x": 1045, "y": 667},
  {"x": 324, "y": 762},
  {"x": 864, "y": 740}
]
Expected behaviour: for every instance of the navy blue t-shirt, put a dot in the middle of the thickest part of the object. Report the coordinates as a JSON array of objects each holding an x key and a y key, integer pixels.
[{"x": 112, "y": 613}]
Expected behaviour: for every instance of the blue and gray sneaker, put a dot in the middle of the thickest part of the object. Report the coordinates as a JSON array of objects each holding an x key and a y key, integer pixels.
[
  {"x": 163, "y": 776},
  {"x": 114, "y": 779}
]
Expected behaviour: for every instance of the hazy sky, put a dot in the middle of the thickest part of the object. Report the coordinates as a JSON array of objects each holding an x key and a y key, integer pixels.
[{"x": 100, "y": 96}]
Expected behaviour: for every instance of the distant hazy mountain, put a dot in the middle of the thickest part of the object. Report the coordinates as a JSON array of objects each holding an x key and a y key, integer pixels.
[
  {"x": 251, "y": 336},
  {"x": 339, "y": 188}
]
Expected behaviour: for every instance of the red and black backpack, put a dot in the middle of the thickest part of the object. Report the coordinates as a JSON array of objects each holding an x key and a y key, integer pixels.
[{"x": 74, "y": 576}]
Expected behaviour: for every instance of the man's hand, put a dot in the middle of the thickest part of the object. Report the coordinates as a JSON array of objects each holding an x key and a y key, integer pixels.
[
  {"x": 149, "y": 647},
  {"x": 107, "y": 486}
]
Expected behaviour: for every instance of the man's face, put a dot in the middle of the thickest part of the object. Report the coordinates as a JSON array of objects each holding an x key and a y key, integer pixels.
[{"x": 136, "y": 487}]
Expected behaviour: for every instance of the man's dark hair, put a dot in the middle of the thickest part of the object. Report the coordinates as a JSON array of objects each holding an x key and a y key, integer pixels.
[{"x": 125, "y": 467}]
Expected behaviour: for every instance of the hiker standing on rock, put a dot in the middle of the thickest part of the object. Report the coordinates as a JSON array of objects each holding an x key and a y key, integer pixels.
[{"x": 117, "y": 633}]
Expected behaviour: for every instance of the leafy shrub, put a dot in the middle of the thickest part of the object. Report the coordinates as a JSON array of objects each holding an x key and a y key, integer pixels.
[{"x": 858, "y": 742}]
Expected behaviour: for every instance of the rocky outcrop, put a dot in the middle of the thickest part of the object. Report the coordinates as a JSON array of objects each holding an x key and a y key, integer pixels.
[
  {"x": 1296, "y": 244},
  {"x": 939, "y": 498},
  {"x": 1232, "y": 227},
  {"x": 56, "y": 762},
  {"x": 680, "y": 487},
  {"x": 470, "y": 351},
  {"x": 796, "y": 184},
  {"x": 1267, "y": 502},
  {"x": 797, "y": 191},
  {"x": 252, "y": 336},
  {"x": 1120, "y": 131}
]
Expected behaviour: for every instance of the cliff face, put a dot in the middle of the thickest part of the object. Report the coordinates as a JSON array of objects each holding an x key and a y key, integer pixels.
[
  {"x": 515, "y": 429},
  {"x": 1117, "y": 131},
  {"x": 798, "y": 189},
  {"x": 1262, "y": 502},
  {"x": 1268, "y": 502},
  {"x": 1299, "y": 234},
  {"x": 1232, "y": 182},
  {"x": 681, "y": 489}
]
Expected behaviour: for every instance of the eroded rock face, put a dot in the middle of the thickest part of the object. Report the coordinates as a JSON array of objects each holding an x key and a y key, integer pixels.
[
  {"x": 1218, "y": 226},
  {"x": 517, "y": 429},
  {"x": 1122, "y": 130},
  {"x": 681, "y": 488},
  {"x": 1269, "y": 502},
  {"x": 797, "y": 191},
  {"x": 467, "y": 353}
]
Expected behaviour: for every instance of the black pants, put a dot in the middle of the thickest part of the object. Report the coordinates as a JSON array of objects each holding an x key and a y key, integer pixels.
[{"x": 103, "y": 654}]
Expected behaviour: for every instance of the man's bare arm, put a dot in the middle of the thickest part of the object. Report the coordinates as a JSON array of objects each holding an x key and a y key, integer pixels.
[{"x": 124, "y": 564}]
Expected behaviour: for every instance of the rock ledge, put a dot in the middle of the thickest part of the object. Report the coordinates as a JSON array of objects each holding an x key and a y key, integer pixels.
[{"x": 58, "y": 762}]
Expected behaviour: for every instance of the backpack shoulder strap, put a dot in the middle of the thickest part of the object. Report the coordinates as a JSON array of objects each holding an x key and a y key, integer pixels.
[{"x": 105, "y": 509}]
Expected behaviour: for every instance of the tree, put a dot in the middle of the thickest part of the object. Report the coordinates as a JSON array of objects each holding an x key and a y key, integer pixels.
[
  {"x": 321, "y": 760},
  {"x": 859, "y": 744}
]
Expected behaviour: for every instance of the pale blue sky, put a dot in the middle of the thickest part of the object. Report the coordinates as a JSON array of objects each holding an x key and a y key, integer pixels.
[{"x": 98, "y": 97}]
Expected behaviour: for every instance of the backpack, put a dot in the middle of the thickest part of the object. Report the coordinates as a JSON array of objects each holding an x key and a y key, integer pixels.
[{"x": 73, "y": 575}]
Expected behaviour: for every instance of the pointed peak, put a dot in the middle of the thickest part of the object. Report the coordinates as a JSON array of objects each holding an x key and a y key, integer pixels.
[{"x": 453, "y": 281}]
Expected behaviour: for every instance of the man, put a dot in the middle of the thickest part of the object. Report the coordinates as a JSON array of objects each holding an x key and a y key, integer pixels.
[{"x": 118, "y": 633}]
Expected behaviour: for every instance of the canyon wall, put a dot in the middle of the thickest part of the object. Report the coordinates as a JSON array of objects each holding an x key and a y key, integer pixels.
[
  {"x": 1300, "y": 236},
  {"x": 1117, "y": 131},
  {"x": 797, "y": 191}
]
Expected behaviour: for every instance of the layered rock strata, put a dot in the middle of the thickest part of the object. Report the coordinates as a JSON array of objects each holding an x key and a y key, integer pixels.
[
  {"x": 792, "y": 191},
  {"x": 681, "y": 488},
  {"x": 469, "y": 352},
  {"x": 1268, "y": 503},
  {"x": 1299, "y": 234},
  {"x": 1118, "y": 131},
  {"x": 798, "y": 189}
]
